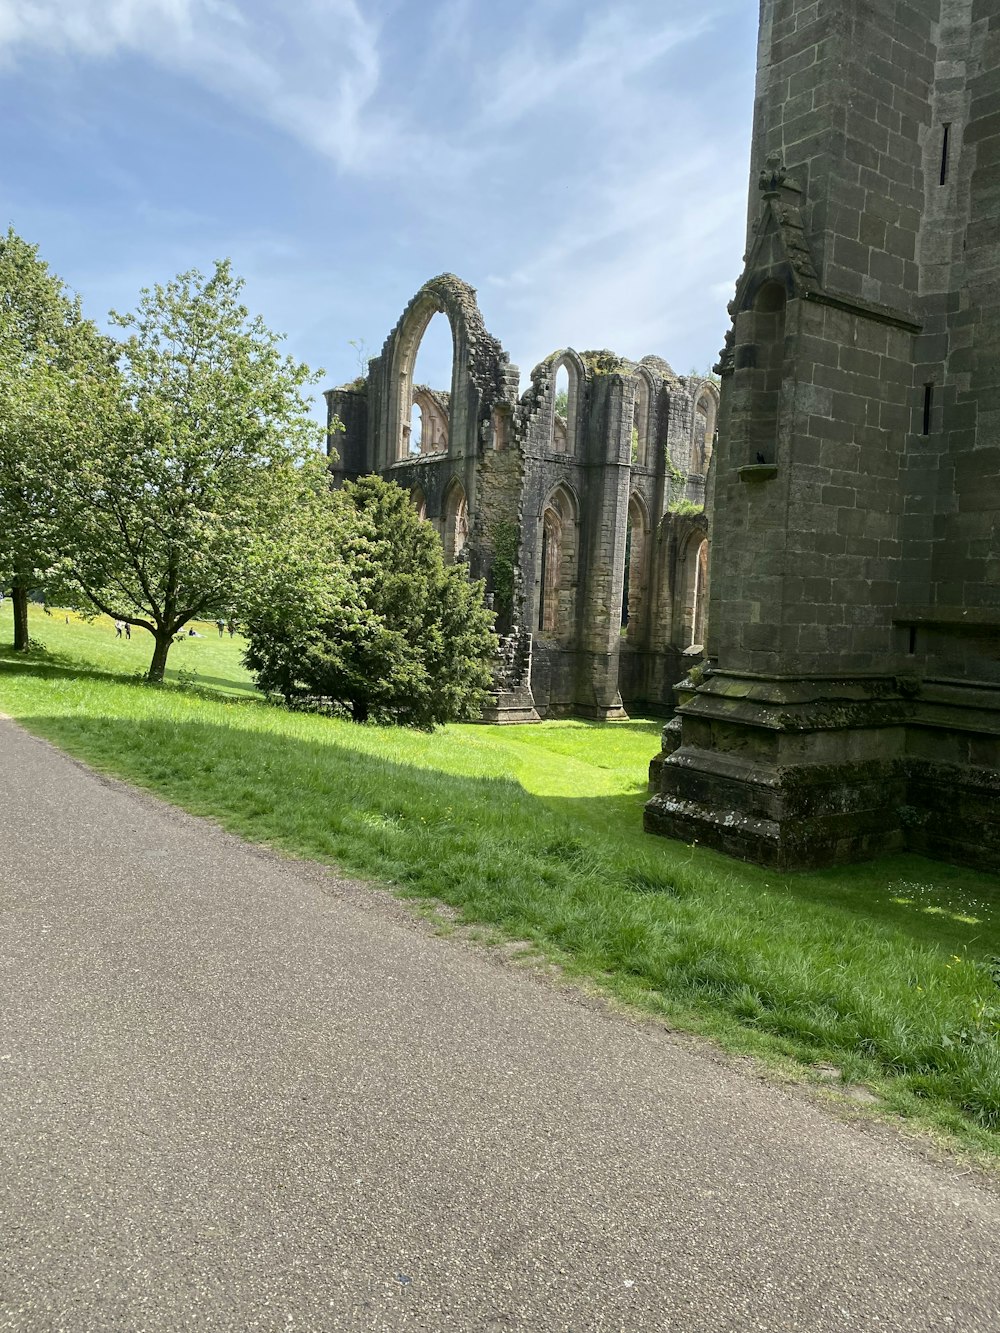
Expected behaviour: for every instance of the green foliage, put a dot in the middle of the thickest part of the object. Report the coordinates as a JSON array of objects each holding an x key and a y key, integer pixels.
[
  {"x": 48, "y": 354},
  {"x": 673, "y": 471},
  {"x": 366, "y": 616},
  {"x": 685, "y": 508},
  {"x": 695, "y": 374},
  {"x": 562, "y": 402},
  {"x": 504, "y": 537},
  {"x": 604, "y": 362},
  {"x": 199, "y": 467}
]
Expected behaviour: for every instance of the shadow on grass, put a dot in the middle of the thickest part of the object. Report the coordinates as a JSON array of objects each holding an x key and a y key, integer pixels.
[
  {"x": 44, "y": 664},
  {"x": 376, "y": 816},
  {"x": 53, "y": 665},
  {"x": 810, "y": 974}
]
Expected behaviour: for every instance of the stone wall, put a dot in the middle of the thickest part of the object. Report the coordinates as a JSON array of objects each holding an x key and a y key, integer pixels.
[
  {"x": 852, "y": 702},
  {"x": 568, "y": 518}
]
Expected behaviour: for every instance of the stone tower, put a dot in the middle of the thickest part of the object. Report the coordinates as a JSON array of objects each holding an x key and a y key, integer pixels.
[{"x": 851, "y": 702}]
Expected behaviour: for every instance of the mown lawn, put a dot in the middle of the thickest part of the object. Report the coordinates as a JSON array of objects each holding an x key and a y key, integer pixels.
[{"x": 884, "y": 970}]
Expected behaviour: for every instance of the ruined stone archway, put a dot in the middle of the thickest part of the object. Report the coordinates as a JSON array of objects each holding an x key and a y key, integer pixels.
[
  {"x": 642, "y": 413},
  {"x": 691, "y": 617},
  {"x": 477, "y": 364},
  {"x": 557, "y": 569},
  {"x": 706, "y": 412},
  {"x": 636, "y": 577},
  {"x": 433, "y": 434},
  {"x": 455, "y": 521},
  {"x": 561, "y": 427}
]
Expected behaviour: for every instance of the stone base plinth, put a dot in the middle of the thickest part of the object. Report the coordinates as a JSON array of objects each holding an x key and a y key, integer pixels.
[
  {"x": 794, "y": 774},
  {"x": 510, "y": 708}
]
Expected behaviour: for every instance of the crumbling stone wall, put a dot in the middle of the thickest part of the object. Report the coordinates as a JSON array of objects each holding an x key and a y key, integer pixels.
[
  {"x": 544, "y": 505},
  {"x": 852, "y": 701}
]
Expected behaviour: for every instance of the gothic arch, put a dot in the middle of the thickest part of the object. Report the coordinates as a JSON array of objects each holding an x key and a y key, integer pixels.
[
  {"x": 455, "y": 521},
  {"x": 706, "y": 412},
  {"x": 643, "y": 401},
  {"x": 692, "y": 612},
  {"x": 636, "y": 575},
  {"x": 434, "y": 421},
  {"x": 419, "y": 501},
  {"x": 563, "y": 433},
  {"x": 558, "y": 546},
  {"x": 475, "y": 354}
]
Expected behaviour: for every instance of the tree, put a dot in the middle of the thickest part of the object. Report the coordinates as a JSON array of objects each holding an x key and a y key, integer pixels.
[
  {"x": 50, "y": 356},
  {"x": 200, "y": 464},
  {"x": 363, "y": 613}
]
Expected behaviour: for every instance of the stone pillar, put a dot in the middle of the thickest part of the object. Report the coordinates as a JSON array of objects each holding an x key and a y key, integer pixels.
[
  {"x": 607, "y": 450},
  {"x": 348, "y": 448}
]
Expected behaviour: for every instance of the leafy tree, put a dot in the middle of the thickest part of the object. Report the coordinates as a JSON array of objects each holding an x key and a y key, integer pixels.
[
  {"x": 362, "y": 612},
  {"x": 48, "y": 355},
  {"x": 200, "y": 465}
]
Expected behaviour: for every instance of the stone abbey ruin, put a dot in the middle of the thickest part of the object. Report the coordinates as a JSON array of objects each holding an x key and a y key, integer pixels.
[
  {"x": 584, "y": 516},
  {"x": 845, "y": 692}
]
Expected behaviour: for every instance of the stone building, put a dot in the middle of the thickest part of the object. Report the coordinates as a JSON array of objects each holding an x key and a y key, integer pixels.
[
  {"x": 583, "y": 512},
  {"x": 851, "y": 701}
]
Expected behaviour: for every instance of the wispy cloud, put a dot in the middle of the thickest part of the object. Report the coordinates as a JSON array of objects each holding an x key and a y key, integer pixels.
[
  {"x": 312, "y": 68},
  {"x": 546, "y": 65}
]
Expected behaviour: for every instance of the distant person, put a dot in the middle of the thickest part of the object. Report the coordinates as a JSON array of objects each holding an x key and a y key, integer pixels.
[
  {"x": 232, "y": 627},
  {"x": 220, "y": 625},
  {"x": 128, "y": 630},
  {"x": 119, "y": 626}
]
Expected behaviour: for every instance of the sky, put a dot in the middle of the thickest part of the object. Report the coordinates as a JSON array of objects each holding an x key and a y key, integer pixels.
[{"x": 583, "y": 165}]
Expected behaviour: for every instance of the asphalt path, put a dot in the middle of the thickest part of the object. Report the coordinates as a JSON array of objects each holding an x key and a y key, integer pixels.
[{"x": 237, "y": 1093}]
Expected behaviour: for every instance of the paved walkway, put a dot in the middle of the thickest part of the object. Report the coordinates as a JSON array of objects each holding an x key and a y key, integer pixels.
[{"x": 237, "y": 1095}]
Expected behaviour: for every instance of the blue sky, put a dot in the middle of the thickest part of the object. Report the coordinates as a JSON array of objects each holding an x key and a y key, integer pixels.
[{"x": 583, "y": 165}]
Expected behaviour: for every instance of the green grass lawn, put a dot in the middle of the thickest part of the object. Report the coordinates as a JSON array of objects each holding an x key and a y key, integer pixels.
[{"x": 882, "y": 970}]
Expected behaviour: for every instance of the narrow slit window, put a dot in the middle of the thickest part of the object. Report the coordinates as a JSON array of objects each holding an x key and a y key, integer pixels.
[
  {"x": 945, "y": 150},
  {"x": 928, "y": 408}
]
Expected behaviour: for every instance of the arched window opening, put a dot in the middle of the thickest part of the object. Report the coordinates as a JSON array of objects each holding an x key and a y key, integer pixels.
[
  {"x": 419, "y": 501},
  {"x": 456, "y": 522},
  {"x": 634, "y": 585},
  {"x": 563, "y": 409},
  {"x": 413, "y": 433},
  {"x": 427, "y": 359},
  {"x": 704, "y": 434},
  {"x": 557, "y": 564},
  {"x": 548, "y": 603},
  {"x": 429, "y": 435},
  {"x": 767, "y": 335},
  {"x": 695, "y": 608},
  {"x": 640, "y": 422}
]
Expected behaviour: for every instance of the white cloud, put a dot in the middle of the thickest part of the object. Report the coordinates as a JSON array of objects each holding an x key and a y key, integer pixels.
[
  {"x": 612, "y": 48},
  {"x": 311, "y": 68}
]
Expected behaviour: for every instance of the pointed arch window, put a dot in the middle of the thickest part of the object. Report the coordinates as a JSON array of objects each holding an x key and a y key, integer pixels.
[
  {"x": 557, "y": 549},
  {"x": 456, "y": 522},
  {"x": 635, "y": 577}
]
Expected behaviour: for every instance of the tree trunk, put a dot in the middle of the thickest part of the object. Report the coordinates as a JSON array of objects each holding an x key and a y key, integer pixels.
[
  {"x": 19, "y": 598},
  {"x": 159, "y": 662},
  {"x": 359, "y": 710}
]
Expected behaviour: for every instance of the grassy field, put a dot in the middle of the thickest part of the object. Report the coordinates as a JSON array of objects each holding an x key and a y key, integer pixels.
[{"x": 881, "y": 974}]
